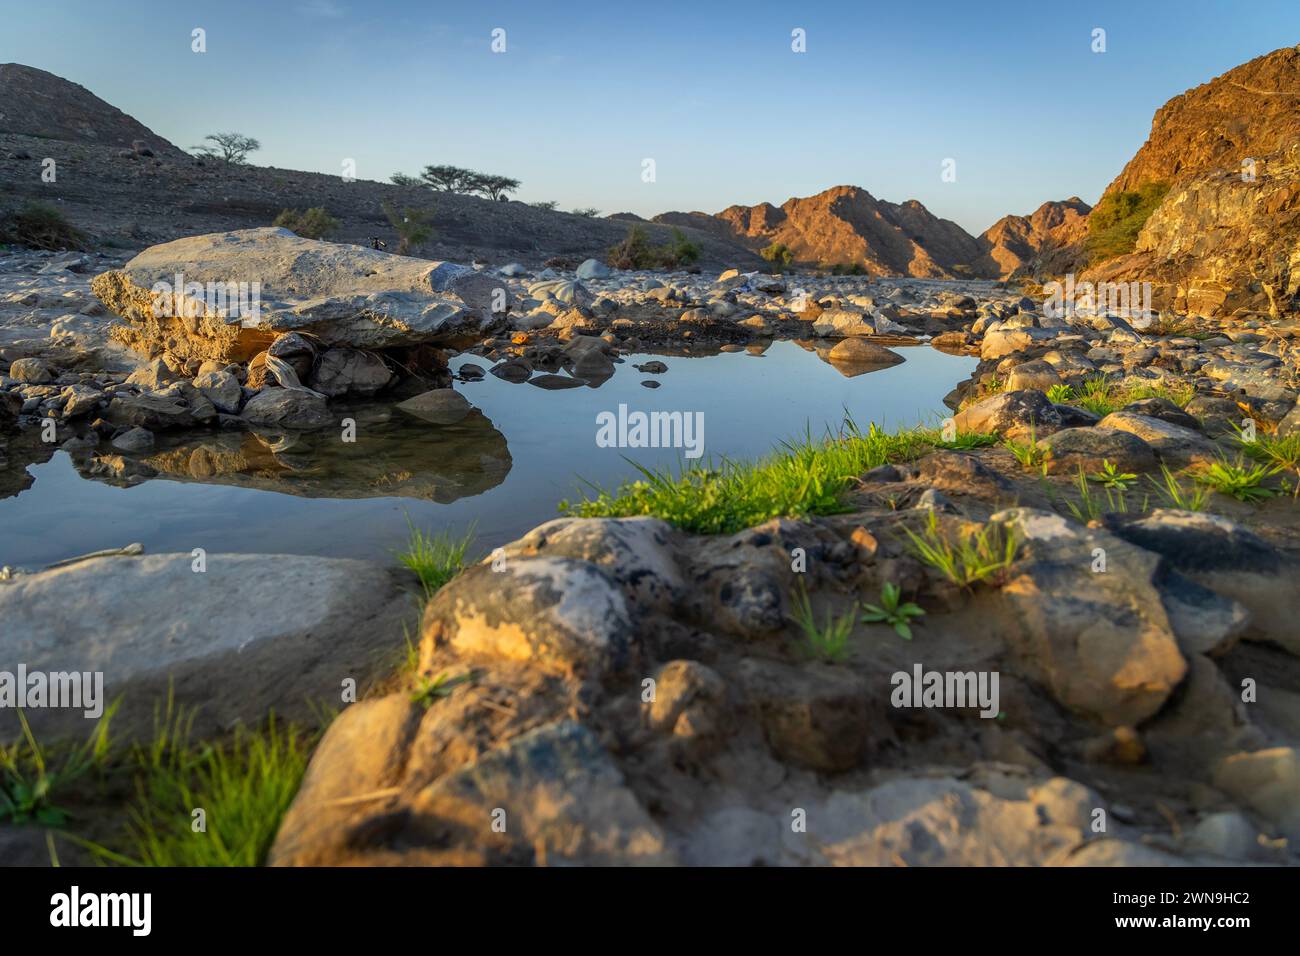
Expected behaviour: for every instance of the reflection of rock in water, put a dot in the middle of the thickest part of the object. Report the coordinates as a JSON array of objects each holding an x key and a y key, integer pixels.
[
  {"x": 17, "y": 452},
  {"x": 393, "y": 455}
]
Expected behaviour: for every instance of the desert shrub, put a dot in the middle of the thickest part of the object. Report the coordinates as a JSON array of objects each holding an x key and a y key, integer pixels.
[
  {"x": 40, "y": 226},
  {"x": 315, "y": 223},
  {"x": 403, "y": 179},
  {"x": 591, "y": 212},
  {"x": 680, "y": 252},
  {"x": 778, "y": 254},
  {"x": 549, "y": 205},
  {"x": 411, "y": 225},
  {"x": 847, "y": 269},
  {"x": 1114, "y": 224},
  {"x": 636, "y": 252}
]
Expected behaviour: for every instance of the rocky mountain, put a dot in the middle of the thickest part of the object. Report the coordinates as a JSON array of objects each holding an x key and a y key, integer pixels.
[
  {"x": 36, "y": 103},
  {"x": 846, "y": 225},
  {"x": 128, "y": 188},
  {"x": 1226, "y": 237},
  {"x": 1042, "y": 242},
  {"x": 1252, "y": 110}
]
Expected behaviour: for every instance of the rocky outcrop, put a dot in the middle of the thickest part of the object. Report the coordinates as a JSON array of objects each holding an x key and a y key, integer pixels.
[
  {"x": 36, "y": 103},
  {"x": 846, "y": 225},
  {"x": 1226, "y": 237},
  {"x": 1250, "y": 111},
  {"x": 1046, "y": 242},
  {"x": 257, "y": 284}
]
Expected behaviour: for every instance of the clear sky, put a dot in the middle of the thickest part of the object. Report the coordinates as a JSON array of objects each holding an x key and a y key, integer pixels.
[{"x": 711, "y": 91}]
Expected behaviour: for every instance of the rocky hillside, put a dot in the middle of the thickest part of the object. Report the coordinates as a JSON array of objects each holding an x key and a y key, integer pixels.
[
  {"x": 131, "y": 188},
  {"x": 36, "y": 103},
  {"x": 1042, "y": 242},
  {"x": 1226, "y": 238},
  {"x": 846, "y": 225},
  {"x": 1252, "y": 110}
]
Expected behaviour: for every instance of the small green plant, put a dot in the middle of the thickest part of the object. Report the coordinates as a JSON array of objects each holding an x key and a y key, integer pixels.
[
  {"x": 778, "y": 253},
  {"x": 315, "y": 223},
  {"x": 1090, "y": 508},
  {"x": 30, "y": 783},
  {"x": 1282, "y": 451},
  {"x": 411, "y": 225},
  {"x": 1031, "y": 455},
  {"x": 1060, "y": 394},
  {"x": 430, "y": 689},
  {"x": 971, "y": 558},
  {"x": 435, "y": 558},
  {"x": 828, "y": 641},
  {"x": 1237, "y": 479},
  {"x": 1173, "y": 494},
  {"x": 893, "y": 611},
  {"x": 1112, "y": 477}
]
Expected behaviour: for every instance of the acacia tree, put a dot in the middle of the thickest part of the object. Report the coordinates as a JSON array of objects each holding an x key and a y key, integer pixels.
[
  {"x": 232, "y": 148},
  {"x": 401, "y": 179},
  {"x": 449, "y": 179},
  {"x": 494, "y": 187}
]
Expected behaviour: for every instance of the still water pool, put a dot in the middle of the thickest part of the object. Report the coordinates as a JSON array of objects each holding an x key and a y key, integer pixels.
[{"x": 501, "y": 470}]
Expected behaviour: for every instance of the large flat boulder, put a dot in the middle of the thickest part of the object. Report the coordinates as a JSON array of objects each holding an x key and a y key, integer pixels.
[
  {"x": 344, "y": 295},
  {"x": 247, "y": 635}
]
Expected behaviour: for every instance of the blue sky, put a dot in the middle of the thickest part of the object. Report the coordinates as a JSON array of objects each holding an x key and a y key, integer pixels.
[{"x": 710, "y": 90}]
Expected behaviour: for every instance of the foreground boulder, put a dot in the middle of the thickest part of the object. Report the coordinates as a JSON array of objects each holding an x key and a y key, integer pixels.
[
  {"x": 255, "y": 284},
  {"x": 235, "y": 636}
]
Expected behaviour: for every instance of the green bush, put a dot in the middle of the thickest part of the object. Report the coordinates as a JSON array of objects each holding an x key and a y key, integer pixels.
[
  {"x": 411, "y": 225},
  {"x": 315, "y": 223},
  {"x": 1114, "y": 224},
  {"x": 40, "y": 226},
  {"x": 635, "y": 252},
  {"x": 778, "y": 254},
  {"x": 847, "y": 269}
]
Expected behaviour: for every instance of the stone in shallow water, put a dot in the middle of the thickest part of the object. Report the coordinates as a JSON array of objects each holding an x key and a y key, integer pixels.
[
  {"x": 442, "y": 406},
  {"x": 288, "y": 408},
  {"x": 858, "y": 352},
  {"x": 346, "y": 371}
]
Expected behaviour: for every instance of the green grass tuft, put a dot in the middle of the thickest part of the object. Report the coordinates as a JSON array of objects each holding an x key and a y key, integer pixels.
[
  {"x": 435, "y": 558},
  {"x": 1238, "y": 479},
  {"x": 805, "y": 477},
  {"x": 828, "y": 641},
  {"x": 981, "y": 556}
]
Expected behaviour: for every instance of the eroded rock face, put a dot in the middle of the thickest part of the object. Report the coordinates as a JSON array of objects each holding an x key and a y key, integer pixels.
[
  {"x": 343, "y": 295},
  {"x": 557, "y": 612},
  {"x": 1015, "y": 415}
]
